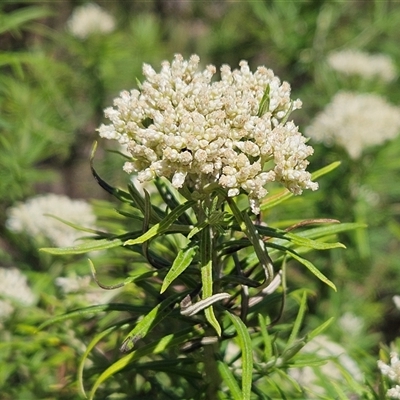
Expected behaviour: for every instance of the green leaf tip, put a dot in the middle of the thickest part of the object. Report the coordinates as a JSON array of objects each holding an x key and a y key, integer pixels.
[{"x": 264, "y": 103}]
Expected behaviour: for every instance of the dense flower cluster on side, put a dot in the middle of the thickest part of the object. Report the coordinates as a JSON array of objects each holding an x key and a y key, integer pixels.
[
  {"x": 392, "y": 371},
  {"x": 234, "y": 131},
  {"x": 365, "y": 65},
  {"x": 90, "y": 19},
  {"x": 30, "y": 218},
  {"x": 356, "y": 122}
]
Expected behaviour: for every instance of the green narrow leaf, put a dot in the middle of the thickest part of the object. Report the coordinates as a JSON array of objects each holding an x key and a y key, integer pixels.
[
  {"x": 143, "y": 204},
  {"x": 147, "y": 210},
  {"x": 314, "y": 244},
  {"x": 317, "y": 331},
  {"x": 276, "y": 199},
  {"x": 333, "y": 229},
  {"x": 94, "y": 310},
  {"x": 287, "y": 377},
  {"x": 246, "y": 347},
  {"x": 206, "y": 276},
  {"x": 162, "y": 226},
  {"x": 289, "y": 111},
  {"x": 325, "y": 170},
  {"x": 291, "y": 351},
  {"x": 170, "y": 200},
  {"x": 229, "y": 380},
  {"x": 87, "y": 246},
  {"x": 207, "y": 281},
  {"x": 197, "y": 228},
  {"x": 18, "y": 19},
  {"x": 299, "y": 320},
  {"x": 106, "y": 287},
  {"x": 118, "y": 193},
  {"x": 89, "y": 348},
  {"x": 311, "y": 267},
  {"x": 75, "y": 226},
  {"x": 264, "y": 103},
  {"x": 266, "y": 337},
  {"x": 155, "y": 347},
  {"x": 149, "y": 321},
  {"x": 339, "y": 391},
  {"x": 181, "y": 262}
]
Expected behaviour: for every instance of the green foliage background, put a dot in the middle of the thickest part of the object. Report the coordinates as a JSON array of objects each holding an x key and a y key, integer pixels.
[{"x": 53, "y": 89}]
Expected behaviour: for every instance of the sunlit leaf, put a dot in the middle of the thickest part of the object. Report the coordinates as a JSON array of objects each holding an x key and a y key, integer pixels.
[
  {"x": 162, "y": 226},
  {"x": 181, "y": 262}
]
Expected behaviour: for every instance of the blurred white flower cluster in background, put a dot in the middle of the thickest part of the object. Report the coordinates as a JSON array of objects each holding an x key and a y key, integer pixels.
[
  {"x": 14, "y": 290},
  {"x": 234, "y": 131},
  {"x": 89, "y": 19},
  {"x": 355, "y": 122},
  {"x": 30, "y": 218},
  {"x": 368, "y": 66}
]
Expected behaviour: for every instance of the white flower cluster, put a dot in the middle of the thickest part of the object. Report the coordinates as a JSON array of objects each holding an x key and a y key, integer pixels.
[
  {"x": 13, "y": 289},
  {"x": 90, "y": 19},
  {"x": 368, "y": 66},
  {"x": 355, "y": 122},
  {"x": 30, "y": 218},
  {"x": 392, "y": 371},
  {"x": 184, "y": 127}
]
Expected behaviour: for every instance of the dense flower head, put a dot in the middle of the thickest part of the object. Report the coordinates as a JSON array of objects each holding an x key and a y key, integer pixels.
[
  {"x": 365, "y": 65},
  {"x": 355, "y": 122},
  {"x": 183, "y": 126},
  {"x": 30, "y": 218},
  {"x": 89, "y": 19}
]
